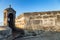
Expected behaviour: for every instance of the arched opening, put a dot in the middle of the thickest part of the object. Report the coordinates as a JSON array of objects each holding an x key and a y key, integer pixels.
[
  {"x": 11, "y": 21},
  {"x": 11, "y": 24}
]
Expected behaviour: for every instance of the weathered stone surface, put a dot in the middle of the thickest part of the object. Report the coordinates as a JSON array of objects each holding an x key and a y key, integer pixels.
[
  {"x": 39, "y": 21},
  {"x": 44, "y": 35},
  {"x": 5, "y": 33}
]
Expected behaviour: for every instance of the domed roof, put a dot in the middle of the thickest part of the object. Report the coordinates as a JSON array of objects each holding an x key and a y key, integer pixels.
[{"x": 8, "y": 9}]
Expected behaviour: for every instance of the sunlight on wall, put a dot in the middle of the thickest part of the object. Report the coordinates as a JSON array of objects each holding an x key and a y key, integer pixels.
[{"x": 2, "y": 28}]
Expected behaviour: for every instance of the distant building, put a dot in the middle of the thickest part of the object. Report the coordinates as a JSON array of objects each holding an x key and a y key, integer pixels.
[{"x": 39, "y": 21}]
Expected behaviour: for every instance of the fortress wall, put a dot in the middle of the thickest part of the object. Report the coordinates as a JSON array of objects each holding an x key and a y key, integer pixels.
[{"x": 41, "y": 21}]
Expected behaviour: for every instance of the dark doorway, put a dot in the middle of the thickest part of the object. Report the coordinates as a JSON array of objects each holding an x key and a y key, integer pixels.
[
  {"x": 11, "y": 21},
  {"x": 11, "y": 24}
]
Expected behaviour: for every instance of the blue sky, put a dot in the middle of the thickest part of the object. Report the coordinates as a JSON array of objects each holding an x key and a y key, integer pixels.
[{"x": 22, "y": 6}]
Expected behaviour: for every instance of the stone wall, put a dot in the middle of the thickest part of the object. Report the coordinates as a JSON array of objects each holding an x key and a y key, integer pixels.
[
  {"x": 40, "y": 21},
  {"x": 43, "y": 21}
]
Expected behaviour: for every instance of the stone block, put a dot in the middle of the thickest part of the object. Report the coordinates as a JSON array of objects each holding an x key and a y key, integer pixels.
[{"x": 5, "y": 33}]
